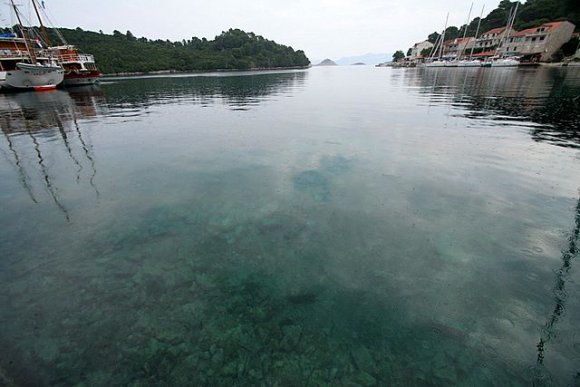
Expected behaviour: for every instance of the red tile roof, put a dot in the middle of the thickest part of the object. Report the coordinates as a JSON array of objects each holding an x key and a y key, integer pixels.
[
  {"x": 497, "y": 30},
  {"x": 529, "y": 31},
  {"x": 552, "y": 24},
  {"x": 523, "y": 32},
  {"x": 457, "y": 41}
]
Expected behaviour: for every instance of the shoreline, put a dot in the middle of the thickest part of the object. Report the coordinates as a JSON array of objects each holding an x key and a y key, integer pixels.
[{"x": 199, "y": 72}]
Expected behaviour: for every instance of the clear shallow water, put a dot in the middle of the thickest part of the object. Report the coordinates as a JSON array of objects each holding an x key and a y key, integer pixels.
[{"x": 340, "y": 226}]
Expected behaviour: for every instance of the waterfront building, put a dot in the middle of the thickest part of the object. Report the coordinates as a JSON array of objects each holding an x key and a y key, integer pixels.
[
  {"x": 417, "y": 49},
  {"x": 490, "y": 39},
  {"x": 538, "y": 43},
  {"x": 457, "y": 47}
]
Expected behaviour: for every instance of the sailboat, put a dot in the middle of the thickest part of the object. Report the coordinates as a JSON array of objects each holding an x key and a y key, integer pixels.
[
  {"x": 438, "y": 62},
  {"x": 23, "y": 66},
  {"x": 470, "y": 62},
  {"x": 80, "y": 69},
  {"x": 507, "y": 61}
]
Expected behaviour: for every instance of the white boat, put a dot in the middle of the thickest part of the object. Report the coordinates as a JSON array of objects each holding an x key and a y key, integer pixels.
[
  {"x": 436, "y": 63},
  {"x": 505, "y": 62},
  {"x": 32, "y": 76},
  {"x": 469, "y": 63},
  {"x": 21, "y": 71},
  {"x": 23, "y": 66}
]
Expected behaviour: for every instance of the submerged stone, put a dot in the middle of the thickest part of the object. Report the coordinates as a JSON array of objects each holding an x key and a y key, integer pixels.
[
  {"x": 363, "y": 359},
  {"x": 302, "y": 298},
  {"x": 314, "y": 183}
]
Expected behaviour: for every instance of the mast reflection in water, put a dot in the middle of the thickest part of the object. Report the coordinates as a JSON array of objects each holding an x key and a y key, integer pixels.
[
  {"x": 546, "y": 97},
  {"x": 33, "y": 121}
]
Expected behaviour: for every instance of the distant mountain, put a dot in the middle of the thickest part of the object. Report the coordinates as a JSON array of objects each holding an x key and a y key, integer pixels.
[
  {"x": 370, "y": 59},
  {"x": 359, "y": 64},
  {"x": 326, "y": 62}
]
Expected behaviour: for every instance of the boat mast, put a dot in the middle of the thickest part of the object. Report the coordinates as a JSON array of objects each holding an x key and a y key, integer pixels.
[
  {"x": 435, "y": 48},
  {"x": 508, "y": 29},
  {"x": 42, "y": 27},
  {"x": 465, "y": 32},
  {"x": 476, "y": 32},
  {"x": 25, "y": 35},
  {"x": 443, "y": 37}
]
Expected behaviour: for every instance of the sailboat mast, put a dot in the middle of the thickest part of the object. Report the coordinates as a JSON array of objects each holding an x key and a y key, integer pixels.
[
  {"x": 24, "y": 34},
  {"x": 443, "y": 36},
  {"x": 465, "y": 32},
  {"x": 435, "y": 48},
  {"x": 42, "y": 27},
  {"x": 507, "y": 32},
  {"x": 476, "y": 32}
]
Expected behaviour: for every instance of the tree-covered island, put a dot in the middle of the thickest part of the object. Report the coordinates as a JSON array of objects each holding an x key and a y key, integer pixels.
[{"x": 231, "y": 50}]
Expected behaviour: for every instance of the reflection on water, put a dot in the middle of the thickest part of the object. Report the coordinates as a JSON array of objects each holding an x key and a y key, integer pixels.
[
  {"x": 48, "y": 116},
  {"x": 239, "y": 92},
  {"x": 546, "y": 97},
  {"x": 339, "y": 226},
  {"x": 549, "y": 332}
]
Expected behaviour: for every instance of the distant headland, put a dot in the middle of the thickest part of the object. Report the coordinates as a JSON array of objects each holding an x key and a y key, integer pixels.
[{"x": 327, "y": 62}]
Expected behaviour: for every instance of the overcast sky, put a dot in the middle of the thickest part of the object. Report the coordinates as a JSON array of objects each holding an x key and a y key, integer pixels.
[{"x": 322, "y": 28}]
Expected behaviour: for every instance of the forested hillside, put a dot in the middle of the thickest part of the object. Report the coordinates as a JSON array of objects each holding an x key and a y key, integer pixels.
[{"x": 232, "y": 50}]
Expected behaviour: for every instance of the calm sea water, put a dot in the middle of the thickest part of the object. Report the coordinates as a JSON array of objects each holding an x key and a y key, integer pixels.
[{"x": 335, "y": 226}]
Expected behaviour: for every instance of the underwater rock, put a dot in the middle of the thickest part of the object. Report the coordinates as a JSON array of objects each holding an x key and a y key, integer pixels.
[
  {"x": 314, "y": 183},
  {"x": 230, "y": 369},
  {"x": 446, "y": 373},
  {"x": 447, "y": 331},
  {"x": 335, "y": 164},
  {"x": 218, "y": 357},
  {"x": 292, "y": 337},
  {"x": 302, "y": 298},
  {"x": 365, "y": 379},
  {"x": 332, "y": 373},
  {"x": 184, "y": 373},
  {"x": 363, "y": 359}
]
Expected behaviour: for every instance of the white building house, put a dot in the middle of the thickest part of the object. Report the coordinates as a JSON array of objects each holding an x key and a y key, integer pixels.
[{"x": 417, "y": 48}]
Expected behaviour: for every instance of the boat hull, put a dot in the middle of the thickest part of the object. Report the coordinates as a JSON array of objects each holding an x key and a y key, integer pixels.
[
  {"x": 86, "y": 79},
  {"x": 469, "y": 63},
  {"x": 31, "y": 77},
  {"x": 435, "y": 64},
  {"x": 505, "y": 63}
]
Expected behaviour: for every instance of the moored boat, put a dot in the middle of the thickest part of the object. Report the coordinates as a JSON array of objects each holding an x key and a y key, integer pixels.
[
  {"x": 436, "y": 63},
  {"x": 469, "y": 63},
  {"x": 79, "y": 69},
  {"x": 22, "y": 69},
  {"x": 505, "y": 62}
]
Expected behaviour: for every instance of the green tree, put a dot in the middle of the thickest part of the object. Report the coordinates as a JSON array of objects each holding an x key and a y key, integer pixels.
[
  {"x": 233, "y": 49},
  {"x": 451, "y": 33},
  {"x": 433, "y": 37},
  {"x": 130, "y": 36},
  {"x": 426, "y": 52},
  {"x": 398, "y": 55}
]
